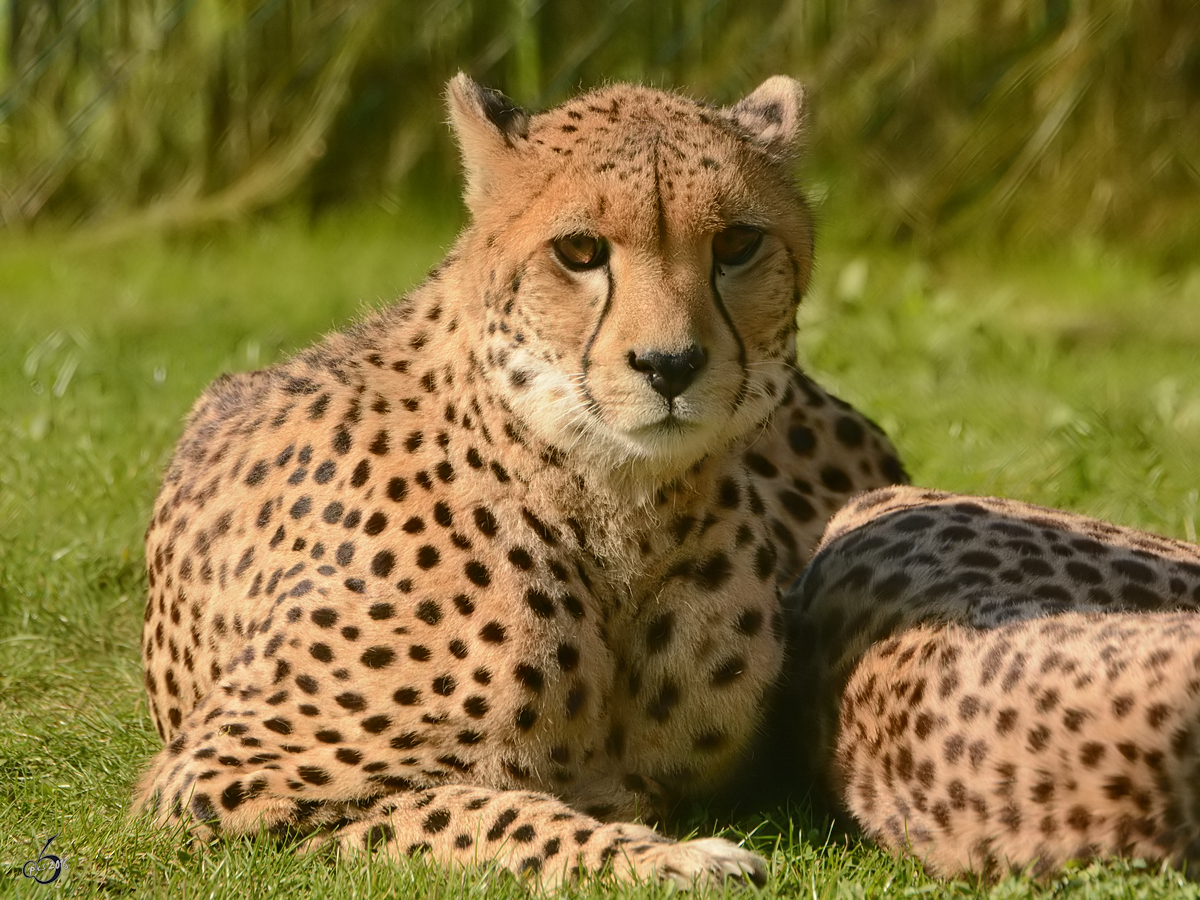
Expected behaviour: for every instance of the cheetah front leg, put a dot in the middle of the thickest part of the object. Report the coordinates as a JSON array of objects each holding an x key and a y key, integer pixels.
[
  {"x": 228, "y": 781},
  {"x": 535, "y": 836}
]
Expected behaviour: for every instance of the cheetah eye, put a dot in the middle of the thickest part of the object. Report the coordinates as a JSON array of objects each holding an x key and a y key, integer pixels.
[
  {"x": 736, "y": 244},
  {"x": 580, "y": 252}
]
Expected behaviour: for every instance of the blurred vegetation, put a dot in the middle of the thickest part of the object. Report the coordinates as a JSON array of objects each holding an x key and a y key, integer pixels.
[{"x": 1013, "y": 120}]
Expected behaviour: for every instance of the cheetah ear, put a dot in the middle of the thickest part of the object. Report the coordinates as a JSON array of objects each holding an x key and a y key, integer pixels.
[
  {"x": 489, "y": 128},
  {"x": 773, "y": 116}
]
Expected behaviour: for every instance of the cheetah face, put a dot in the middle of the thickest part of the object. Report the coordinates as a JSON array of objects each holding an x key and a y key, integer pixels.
[{"x": 643, "y": 256}]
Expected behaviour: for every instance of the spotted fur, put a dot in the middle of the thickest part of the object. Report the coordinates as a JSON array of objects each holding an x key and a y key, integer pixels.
[
  {"x": 495, "y": 573},
  {"x": 992, "y": 686}
]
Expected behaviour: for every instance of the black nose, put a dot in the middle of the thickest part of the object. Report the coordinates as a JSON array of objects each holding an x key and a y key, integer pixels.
[{"x": 669, "y": 373}]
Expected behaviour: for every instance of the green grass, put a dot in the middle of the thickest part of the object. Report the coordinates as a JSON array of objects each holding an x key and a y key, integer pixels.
[
  {"x": 1070, "y": 380},
  {"x": 1025, "y": 119}
]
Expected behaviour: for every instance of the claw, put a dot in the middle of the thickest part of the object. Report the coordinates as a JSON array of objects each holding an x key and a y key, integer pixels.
[{"x": 710, "y": 862}]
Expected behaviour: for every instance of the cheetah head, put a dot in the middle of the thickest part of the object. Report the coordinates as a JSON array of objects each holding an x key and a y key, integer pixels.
[{"x": 638, "y": 258}]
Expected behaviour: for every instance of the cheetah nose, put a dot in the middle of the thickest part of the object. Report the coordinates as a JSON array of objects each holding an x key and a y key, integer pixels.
[{"x": 669, "y": 373}]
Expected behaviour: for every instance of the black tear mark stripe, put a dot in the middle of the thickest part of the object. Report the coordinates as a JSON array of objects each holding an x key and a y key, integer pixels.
[
  {"x": 743, "y": 385},
  {"x": 610, "y": 283}
]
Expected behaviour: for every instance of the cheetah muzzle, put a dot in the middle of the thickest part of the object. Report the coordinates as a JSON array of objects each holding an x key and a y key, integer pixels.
[{"x": 495, "y": 573}]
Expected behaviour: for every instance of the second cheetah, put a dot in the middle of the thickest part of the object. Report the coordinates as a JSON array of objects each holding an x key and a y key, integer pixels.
[{"x": 993, "y": 686}]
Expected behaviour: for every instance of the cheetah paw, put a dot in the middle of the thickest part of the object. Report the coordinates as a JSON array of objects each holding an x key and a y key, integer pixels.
[{"x": 711, "y": 862}]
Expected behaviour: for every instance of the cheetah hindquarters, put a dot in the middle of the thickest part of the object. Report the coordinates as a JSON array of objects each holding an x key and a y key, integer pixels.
[{"x": 1029, "y": 744}]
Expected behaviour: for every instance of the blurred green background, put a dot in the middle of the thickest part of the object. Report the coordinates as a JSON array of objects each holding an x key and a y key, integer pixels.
[{"x": 1002, "y": 120}]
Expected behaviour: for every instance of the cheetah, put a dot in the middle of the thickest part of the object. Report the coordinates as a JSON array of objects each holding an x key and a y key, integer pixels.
[
  {"x": 494, "y": 575},
  {"x": 996, "y": 687}
]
